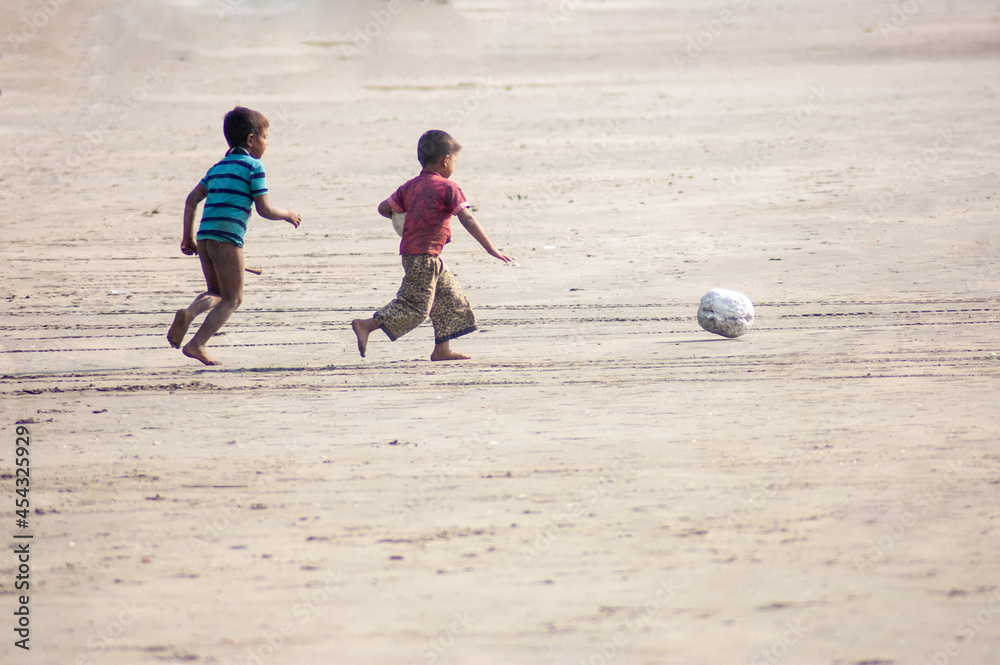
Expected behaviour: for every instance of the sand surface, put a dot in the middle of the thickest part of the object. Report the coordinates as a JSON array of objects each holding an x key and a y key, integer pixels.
[{"x": 604, "y": 481}]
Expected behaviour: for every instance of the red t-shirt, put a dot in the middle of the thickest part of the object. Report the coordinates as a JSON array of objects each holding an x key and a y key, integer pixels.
[{"x": 429, "y": 201}]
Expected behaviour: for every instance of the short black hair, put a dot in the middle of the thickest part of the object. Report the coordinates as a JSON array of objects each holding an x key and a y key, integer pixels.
[
  {"x": 434, "y": 146},
  {"x": 240, "y": 123}
]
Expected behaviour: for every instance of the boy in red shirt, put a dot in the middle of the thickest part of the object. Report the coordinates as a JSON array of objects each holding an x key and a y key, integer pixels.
[{"x": 429, "y": 288}]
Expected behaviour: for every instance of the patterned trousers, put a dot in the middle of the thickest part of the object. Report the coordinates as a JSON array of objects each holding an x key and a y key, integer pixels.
[{"x": 428, "y": 289}]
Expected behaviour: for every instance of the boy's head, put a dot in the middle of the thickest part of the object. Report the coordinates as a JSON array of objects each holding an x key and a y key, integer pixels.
[
  {"x": 240, "y": 123},
  {"x": 434, "y": 146}
]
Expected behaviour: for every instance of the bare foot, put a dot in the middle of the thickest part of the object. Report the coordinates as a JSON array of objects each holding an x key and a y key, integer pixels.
[
  {"x": 448, "y": 354},
  {"x": 199, "y": 353},
  {"x": 362, "y": 333},
  {"x": 178, "y": 328}
]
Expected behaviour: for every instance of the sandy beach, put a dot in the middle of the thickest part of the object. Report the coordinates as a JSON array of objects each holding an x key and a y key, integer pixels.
[{"x": 604, "y": 482}]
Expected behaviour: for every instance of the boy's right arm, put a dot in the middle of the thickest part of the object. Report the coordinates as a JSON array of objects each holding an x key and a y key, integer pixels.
[
  {"x": 189, "y": 241},
  {"x": 385, "y": 209}
]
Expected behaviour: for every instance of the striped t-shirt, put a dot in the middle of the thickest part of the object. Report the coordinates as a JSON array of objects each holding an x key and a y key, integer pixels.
[{"x": 232, "y": 186}]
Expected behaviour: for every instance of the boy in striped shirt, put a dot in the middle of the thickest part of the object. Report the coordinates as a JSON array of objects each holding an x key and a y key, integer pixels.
[{"x": 233, "y": 187}]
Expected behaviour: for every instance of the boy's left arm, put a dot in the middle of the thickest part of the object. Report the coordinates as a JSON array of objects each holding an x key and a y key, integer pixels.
[
  {"x": 471, "y": 225},
  {"x": 264, "y": 208}
]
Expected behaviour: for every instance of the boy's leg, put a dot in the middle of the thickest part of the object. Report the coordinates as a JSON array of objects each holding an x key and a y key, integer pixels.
[
  {"x": 184, "y": 317},
  {"x": 204, "y": 302},
  {"x": 227, "y": 260},
  {"x": 411, "y": 305},
  {"x": 443, "y": 351},
  {"x": 362, "y": 329},
  {"x": 451, "y": 315}
]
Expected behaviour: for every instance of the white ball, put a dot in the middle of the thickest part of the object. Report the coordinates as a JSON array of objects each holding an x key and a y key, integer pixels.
[
  {"x": 724, "y": 312},
  {"x": 398, "y": 219}
]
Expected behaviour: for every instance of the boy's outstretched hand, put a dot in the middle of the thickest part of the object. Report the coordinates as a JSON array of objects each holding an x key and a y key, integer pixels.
[
  {"x": 471, "y": 225},
  {"x": 501, "y": 256},
  {"x": 264, "y": 208}
]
